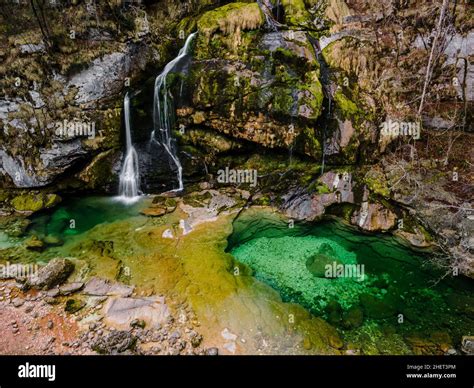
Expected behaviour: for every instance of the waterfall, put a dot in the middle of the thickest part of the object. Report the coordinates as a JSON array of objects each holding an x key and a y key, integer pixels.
[
  {"x": 325, "y": 83},
  {"x": 266, "y": 7},
  {"x": 163, "y": 112},
  {"x": 129, "y": 176}
]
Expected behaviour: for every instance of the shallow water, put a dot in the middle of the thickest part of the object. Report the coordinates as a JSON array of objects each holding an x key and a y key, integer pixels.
[
  {"x": 399, "y": 294},
  {"x": 241, "y": 288},
  {"x": 78, "y": 215}
]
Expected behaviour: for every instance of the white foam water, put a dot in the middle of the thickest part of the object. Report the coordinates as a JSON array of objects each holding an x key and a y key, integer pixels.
[
  {"x": 163, "y": 112},
  {"x": 129, "y": 176}
]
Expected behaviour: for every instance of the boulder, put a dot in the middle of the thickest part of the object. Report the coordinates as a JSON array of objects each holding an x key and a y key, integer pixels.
[
  {"x": 54, "y": 273},
  {"x": 35, "y": 244},
  {"x": 114, "y": 343},
  {"x": 376, "y": 308},
  {"x": 467, "y": 345},
  {"x": 121, "y": 312},
  {"x": 374, "y": 217},
  {"x": 30, "y": 203},
  {"x": 353, "y": 318},
  {"x": 316, "y": 264},
  {"x": 154, "y": 211}
]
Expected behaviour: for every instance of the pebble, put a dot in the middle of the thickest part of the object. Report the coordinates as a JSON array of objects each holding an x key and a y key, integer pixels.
[
  {"x": 18, "y": 302},
  {"x": 50, "y": 325},
  {"x": 212, "y": 352}
]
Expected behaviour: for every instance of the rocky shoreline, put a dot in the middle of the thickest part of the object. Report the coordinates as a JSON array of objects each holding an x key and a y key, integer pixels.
[{"x": 102, "y": 318}]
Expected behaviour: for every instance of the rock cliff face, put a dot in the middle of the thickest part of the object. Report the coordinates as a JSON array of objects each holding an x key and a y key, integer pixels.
[{"x": 298, "y": 90}]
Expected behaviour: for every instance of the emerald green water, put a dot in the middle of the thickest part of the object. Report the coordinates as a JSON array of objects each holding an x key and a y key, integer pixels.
[
  {"x": 398, "y": 307},
  {"x": 399, "y": 296},
  {"x": 78, "y": 215}
]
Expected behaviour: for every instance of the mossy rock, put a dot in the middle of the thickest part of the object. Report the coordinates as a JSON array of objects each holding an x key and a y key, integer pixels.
[
  {"x": 348, "y": 109},
  {"x": 375, "y": 307},
  {"x": 198, "y": 199},
  {"x": 309, "y": 143},
  {"x": 353, "y": 318},
  {"x": 14, "y": 226},
  {"x": 34, "y": 202},
  {"x": 377, "y": 183},
  {"x": 263, "y": 200},
  {"x": 74, "y": 305},
  {"x": 314, "y": 94},
  {"x": 165, "y": 201},
  {"x": 230, "y": 18},
  {"x": 296, "y": 13},
  {"x": 35, "y": 244},
  {"x": 319, "y": 187},
  {"x": 334, "y": 312}
]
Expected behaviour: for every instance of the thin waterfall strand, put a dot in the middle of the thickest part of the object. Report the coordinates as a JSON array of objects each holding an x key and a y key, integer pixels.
[
  {"x": 163, "y": 112},
  {"x": 129, "y": 176}
]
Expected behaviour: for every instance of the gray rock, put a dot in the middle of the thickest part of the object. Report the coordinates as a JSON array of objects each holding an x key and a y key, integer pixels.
[
  {"x": 212, "y": 352},
  {"x": 467, "y": 345},
  {"x": 115, "y": 342},
  {"x": 61, "y": 156},
  {"x": 70, "y": 288},
  {"x": 54, "y": 273},
  {"x": 18, "y": 302},
  {"x": 31, "y": 48},
  {"x": 122, "y": 312},
  {"x": 54, "y": 292},
  {"x": 102, "y": 287},
  {"x": 105, "y": 76}
]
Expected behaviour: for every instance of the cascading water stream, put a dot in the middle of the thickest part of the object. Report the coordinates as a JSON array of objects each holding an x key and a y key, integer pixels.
[
  {"x": 163, "y": 112},
  {"x": 129, "y": 176},
  {"x": 325, "y": 81},
  {"x": 266, "y": 7}
]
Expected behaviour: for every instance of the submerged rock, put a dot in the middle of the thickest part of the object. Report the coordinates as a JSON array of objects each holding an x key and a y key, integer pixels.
[
  {"x": 318, "y": 263},
  {"x": 376, "y": 308},
  {"x": 74, "y": 305},
  {"x": 13, "y": 226},
  {"x": 353, "y": 318},
  {"x": 35, "y": 244},
  {"x": 154, "y": 211}
]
